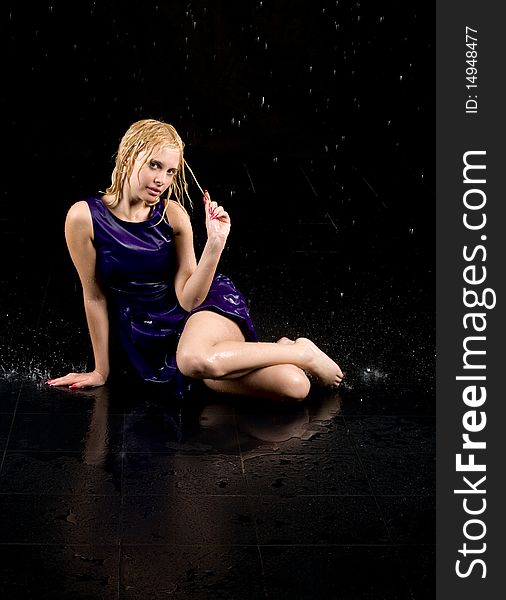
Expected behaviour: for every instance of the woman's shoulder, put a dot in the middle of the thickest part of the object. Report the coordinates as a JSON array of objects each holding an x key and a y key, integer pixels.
[
  {"x": 177, "y": 214},
  {"x": 79, "y": 214}
]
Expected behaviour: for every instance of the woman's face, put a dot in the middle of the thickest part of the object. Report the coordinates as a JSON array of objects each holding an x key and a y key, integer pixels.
[{"x": 150, "y": 180}]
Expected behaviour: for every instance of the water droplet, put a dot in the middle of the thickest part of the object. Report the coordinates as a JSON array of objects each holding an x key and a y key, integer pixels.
[{"x": 275, "y": 159}]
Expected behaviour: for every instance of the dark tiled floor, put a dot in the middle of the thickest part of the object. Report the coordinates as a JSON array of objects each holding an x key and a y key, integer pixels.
[{"x": 124, "y": 493}]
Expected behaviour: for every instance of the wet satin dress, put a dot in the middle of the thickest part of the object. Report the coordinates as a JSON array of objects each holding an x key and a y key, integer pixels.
[{"x": 136, "y": 264}]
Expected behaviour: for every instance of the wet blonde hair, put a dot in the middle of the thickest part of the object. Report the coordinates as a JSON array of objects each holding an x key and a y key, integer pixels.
[{"x": 149, "y": 135}]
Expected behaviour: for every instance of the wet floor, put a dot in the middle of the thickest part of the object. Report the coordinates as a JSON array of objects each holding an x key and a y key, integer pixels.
[{"x": 126, "y": 492}]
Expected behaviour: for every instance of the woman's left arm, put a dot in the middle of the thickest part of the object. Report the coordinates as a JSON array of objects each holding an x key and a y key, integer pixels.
[{"x": 192, "y": 280}]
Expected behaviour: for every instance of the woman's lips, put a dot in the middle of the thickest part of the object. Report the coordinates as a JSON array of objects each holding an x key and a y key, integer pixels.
[{"x": 154, "y": 192}]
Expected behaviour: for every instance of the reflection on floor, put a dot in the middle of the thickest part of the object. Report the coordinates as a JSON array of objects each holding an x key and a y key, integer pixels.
[{"x": 126, "y": 493}]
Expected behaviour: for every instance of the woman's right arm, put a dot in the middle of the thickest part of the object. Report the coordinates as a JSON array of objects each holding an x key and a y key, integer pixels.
[{"x": 79, "y": 236}]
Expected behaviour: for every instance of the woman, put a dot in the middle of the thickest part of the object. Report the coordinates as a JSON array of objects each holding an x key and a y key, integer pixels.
[{"x": 142, "y": 286}]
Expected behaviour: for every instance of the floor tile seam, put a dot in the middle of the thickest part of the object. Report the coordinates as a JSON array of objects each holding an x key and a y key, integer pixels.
[
  {"x": 112, "y": 546},
  {"x": 191, "y": 496},
  {"x": 262, "y": 571},
  {"x": 86, "y": 413},
  {"x": 72, "y": 452},
  {"x": 175, "y": 545},
  {"x": 57, "y": 451},
  {"x": 399, "y": 450},
  {"x": 238, "y": 440},
  {"x": 402, "y": 451},
  {"x": 8, "y": 437},
  {"x": 317, "y": 452},
  {"x": 371, "y": 487},
  {"x": 252, "y": 496},
  {"x": 379, "y": 545},
  {"x": 392, "y": 416},
  {"x": 357, "y": 454},
  {"x": 188, "y": 496},
  {"x": 254, "y": 520},
  {"x": 362, "y": 415},
  {"x": 58, "y": 495},
  {"x": 176, "y": 453},
  {"x": 433, "y": 495}
]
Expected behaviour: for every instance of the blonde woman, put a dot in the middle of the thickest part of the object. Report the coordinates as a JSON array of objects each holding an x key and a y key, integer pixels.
[{"x": 175, "y": 320}]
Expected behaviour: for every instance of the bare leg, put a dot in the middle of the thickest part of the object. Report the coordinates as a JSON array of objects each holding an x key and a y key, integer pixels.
[
  {"x": 213, "y": 347},
  {"x": 279, "y": 382}
]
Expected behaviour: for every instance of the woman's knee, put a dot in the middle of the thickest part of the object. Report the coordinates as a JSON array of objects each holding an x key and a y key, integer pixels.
[
  {"x": 197, "y": 363},
  {"x": 293, "y": 383}
]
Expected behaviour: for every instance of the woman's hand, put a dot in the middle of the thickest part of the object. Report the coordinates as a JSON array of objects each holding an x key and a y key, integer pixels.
[
  {"x": 217, "y": 220},
  {"x": 79, "y": 380}
]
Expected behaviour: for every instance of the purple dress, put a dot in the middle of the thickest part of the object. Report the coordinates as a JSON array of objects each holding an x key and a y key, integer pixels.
[{"x": 136, "y": 268}]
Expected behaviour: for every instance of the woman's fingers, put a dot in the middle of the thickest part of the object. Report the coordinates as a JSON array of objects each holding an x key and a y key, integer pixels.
[
  {"x": 65, "y": 380},
  {"x": 222, "y": 216},
  {"x": 77, "y": 380},
  {"x": 213, "y": 209}
]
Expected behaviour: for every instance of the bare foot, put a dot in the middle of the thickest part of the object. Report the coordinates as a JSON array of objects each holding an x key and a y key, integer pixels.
[
  {"x": 319, "y": 364},
  {"x": 285, "y": 340}
]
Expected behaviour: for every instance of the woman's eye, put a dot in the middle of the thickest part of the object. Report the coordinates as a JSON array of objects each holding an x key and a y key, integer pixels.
[{"x": 153, "y": 165}]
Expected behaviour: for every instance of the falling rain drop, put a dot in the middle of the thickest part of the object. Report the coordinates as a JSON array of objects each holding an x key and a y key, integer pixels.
[{"x": 263, "y": 101}]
